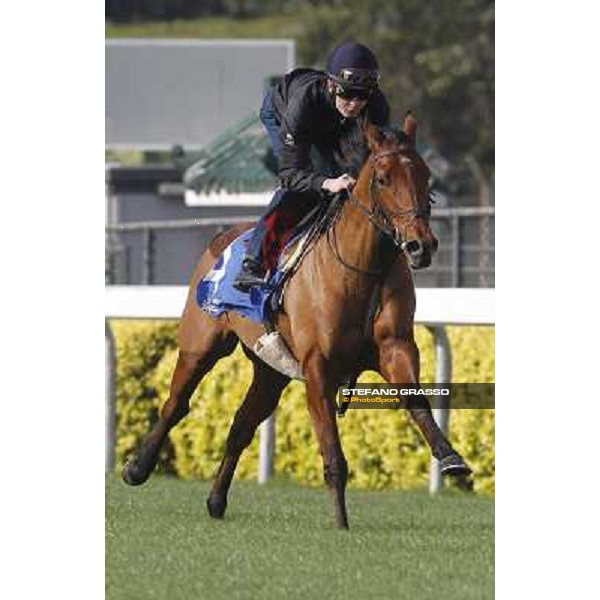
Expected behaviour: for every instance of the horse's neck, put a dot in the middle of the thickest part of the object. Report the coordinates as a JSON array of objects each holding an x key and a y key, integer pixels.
[{"x": 356, "y": 237}]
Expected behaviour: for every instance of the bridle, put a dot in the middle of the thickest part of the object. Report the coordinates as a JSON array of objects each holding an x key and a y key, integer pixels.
[{"x": 379, "y": 218}]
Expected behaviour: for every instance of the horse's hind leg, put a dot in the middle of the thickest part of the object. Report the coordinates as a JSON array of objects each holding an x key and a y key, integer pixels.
[
  {"x": 260, "y": 401},
  {"x": 191, "y": 367},
  {"x": 399, "y": 363}
]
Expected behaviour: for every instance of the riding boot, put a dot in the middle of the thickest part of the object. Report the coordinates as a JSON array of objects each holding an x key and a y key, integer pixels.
[{"x": 252, "y": 272}]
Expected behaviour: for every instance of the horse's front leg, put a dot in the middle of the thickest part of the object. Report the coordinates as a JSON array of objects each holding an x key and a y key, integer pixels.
[
  {"x": 399, "y": 363},
  {"x": 321, "y": 392}
]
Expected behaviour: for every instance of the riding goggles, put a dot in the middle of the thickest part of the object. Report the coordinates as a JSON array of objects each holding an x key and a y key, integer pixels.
[{"x": 349, "y": 93}]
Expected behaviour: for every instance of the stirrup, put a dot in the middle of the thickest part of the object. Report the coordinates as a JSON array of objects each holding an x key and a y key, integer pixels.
[{"x": 246, "y": 280}]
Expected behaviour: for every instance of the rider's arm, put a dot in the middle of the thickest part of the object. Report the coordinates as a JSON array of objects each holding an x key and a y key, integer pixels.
[
  {"x": 295, "y": 167},
  {"x": 296, "y": 170}
]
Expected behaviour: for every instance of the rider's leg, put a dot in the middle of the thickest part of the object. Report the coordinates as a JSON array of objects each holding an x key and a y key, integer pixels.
[
  {"x": 252, "y": 272},
  {"x": 254, "y": 250}
]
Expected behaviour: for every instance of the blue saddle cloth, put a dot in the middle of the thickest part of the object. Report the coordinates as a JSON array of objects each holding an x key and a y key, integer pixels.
[{"x": 215, "y": 293}]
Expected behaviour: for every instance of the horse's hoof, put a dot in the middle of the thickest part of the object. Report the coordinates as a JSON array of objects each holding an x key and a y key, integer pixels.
[
  {"x": 454, "y": 466},
  {"x": 216, "y": 506},
  {"x": 133, "y": 474}
]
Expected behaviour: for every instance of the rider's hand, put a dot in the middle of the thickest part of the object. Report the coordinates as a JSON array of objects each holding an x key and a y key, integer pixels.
[{"x": 343, "y": 182}]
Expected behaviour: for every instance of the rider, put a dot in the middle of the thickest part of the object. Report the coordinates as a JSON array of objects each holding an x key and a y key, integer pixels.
[{"x": 307, "y": 110}]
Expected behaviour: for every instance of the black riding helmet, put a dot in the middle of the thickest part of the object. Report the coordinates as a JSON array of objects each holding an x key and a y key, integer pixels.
[{"x": 354, "y": 69}]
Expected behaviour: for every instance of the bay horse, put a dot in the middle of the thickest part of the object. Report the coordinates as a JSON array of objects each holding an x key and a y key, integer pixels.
[{"x": 325, "y": 309}]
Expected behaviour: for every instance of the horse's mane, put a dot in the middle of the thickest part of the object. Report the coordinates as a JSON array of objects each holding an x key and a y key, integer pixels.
[{"x": 353, "y": 149}]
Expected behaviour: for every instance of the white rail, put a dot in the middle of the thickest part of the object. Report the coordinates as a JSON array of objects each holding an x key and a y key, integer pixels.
[{"x": 436, "y": 308}]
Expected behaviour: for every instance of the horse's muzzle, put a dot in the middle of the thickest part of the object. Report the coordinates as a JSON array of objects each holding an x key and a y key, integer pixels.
[{"x": 420, "y": 252}]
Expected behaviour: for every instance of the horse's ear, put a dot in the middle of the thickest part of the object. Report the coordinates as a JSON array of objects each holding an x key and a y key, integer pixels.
[
  {"x": 410, "y": 128},
  {"x": 373, "y": 135}
]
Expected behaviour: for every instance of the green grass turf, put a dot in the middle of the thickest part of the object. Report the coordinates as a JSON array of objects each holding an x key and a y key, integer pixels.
[{"x": 280, "y": 541}]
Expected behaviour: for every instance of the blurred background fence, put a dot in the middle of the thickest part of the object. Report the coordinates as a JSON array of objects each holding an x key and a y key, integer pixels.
[{"x": 165, "y": 251}]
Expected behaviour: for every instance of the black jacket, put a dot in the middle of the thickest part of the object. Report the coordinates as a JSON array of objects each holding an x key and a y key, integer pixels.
[{"x": 307, "y": 117}]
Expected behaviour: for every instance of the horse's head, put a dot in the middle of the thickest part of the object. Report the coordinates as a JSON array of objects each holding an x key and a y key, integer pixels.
[{"x": 399, "y": 188}]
